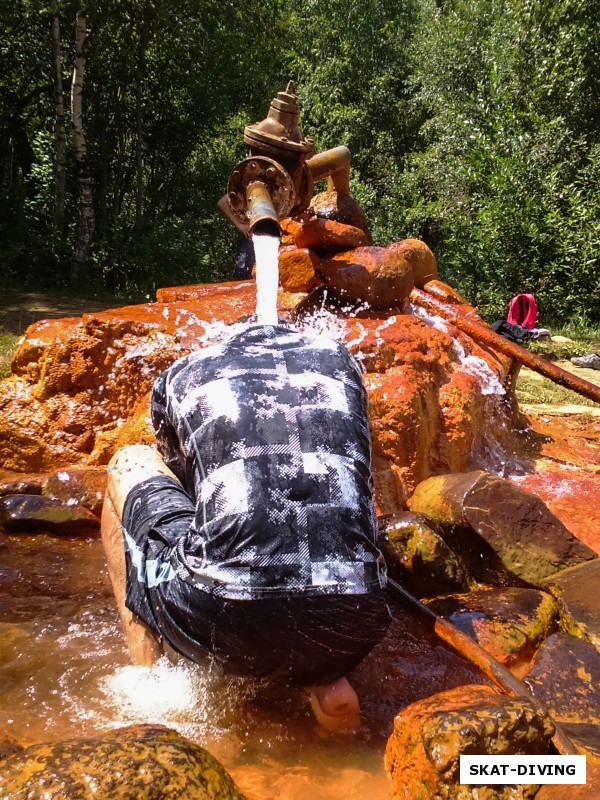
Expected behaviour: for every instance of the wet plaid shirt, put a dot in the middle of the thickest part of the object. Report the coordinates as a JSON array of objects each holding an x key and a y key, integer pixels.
[{"x": 269, "y": 434}]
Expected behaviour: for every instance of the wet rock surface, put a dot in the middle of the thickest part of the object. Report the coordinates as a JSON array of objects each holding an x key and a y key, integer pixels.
[
  {"x": 419, "y": 558},
  {"x": 565, "y": 676},
  {"x": 510, "y": 624},
  {"x": 379, "y": 276},
  {"x": 9, "y": 744},
  {"x": 576, "y": 591},
  {"x": 298, "y": 269},
  {"x": 504, "y": 534},
  {"x": 341, "y": 208},
  {"x": 24, "y": 513},
  {"x": 422, "y": 756},
  {"x": 588, "y": 791},
  {"x": 142, "y": 762},
  {"x": 323, "y": 235}
]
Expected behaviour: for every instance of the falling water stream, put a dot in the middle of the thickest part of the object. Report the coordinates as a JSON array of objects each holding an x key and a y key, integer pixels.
[
  {"x": 65, "y": 672},
  {"x": 266, "y": 252}
]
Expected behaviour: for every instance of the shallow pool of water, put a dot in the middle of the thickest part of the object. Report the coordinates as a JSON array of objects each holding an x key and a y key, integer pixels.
[{"x": 64, "y": 673}]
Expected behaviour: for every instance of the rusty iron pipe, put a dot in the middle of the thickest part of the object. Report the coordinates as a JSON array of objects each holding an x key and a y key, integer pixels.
[
  {"x": 483, "y": 334},
  {"x": 469, "y": 649},
  {"x": 262, "y": 217},
  {"x": 333, "y": 164}
]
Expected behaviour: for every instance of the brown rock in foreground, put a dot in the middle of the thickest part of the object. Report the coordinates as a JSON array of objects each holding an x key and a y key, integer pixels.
[
  {"x": 378, "y": 276},
  {"x": 143, "y": 762},
  {"x": 341, "y": 208},
  {"x": 423, "y": 752},
  {"x": 505, "y": 535}
]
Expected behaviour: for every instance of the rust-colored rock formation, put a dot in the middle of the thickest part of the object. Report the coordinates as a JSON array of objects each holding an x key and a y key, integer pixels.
[
  {"x": 79, "y": 387},
  {"x": 423, "y": 753}
]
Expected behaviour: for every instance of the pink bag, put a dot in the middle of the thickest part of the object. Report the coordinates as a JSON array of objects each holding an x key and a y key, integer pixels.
[{"x": 522, "y": 310}]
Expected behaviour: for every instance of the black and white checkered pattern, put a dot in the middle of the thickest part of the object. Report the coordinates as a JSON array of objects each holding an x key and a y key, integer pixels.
[{"x": 269, "y": 434}]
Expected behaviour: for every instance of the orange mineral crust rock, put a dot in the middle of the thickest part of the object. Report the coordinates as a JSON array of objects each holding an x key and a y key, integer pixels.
[
  {"x": 80, "y": 387},
  {"x": 421, "y": 259},
  {"x": 423, "y": 752},
  {"x": 379, "y": 276}
]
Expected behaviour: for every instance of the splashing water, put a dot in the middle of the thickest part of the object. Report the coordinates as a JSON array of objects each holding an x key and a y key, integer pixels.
[
  {"x": 488, "y": 380},
  {"x": 266, "y": 251}
]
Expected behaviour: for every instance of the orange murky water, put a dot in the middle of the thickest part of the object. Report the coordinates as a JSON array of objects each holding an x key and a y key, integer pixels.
[{"x": 64, "y": 673}]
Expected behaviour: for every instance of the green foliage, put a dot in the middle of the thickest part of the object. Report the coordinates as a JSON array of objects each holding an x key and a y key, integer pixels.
[{"x": 472, "y": 125}]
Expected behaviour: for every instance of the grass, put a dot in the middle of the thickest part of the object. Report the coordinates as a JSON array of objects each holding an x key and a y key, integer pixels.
[
  {"x": 8, "y": 345},
  {"x": 533, "y": 388}
]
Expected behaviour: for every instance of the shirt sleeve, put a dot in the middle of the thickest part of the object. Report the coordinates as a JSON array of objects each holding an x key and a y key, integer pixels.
[{"x": 167, "y": 439}]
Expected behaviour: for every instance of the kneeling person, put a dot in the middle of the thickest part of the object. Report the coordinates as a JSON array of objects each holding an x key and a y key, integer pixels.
[{"x": 252, "y": 535}]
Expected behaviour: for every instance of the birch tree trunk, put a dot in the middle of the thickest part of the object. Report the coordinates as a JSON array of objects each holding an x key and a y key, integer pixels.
[
  {"x": 87, "y": 221},
  {"x": 60, "y": 138}
]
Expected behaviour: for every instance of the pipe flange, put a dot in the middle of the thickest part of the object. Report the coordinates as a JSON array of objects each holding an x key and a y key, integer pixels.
[{"x": 259, "y": 168}]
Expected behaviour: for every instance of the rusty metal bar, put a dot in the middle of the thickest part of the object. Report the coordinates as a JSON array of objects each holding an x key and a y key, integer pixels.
[
  {"x": 333, "y": 164},
  {"x": 476, "y": 655},
  {"x": 483, "y": 334}
]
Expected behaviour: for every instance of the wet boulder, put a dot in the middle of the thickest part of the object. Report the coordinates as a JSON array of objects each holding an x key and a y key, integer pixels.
[
  {"x": 423, "y": 753},
  {"x": 422, "y": 261},
  {"x": 510, "y": 624},
  {"x": 143, "y": 762},
  {"x": 322, "y": 235},
  {"x": 580, "y": 607},
  {"x": 341, "y": 208},
  {"x": 419, "y": 558},
  {"x": 565, "y": 677},
  {"x": 505, "y": 535},
  {"x": 297, "y": 268},
  {"x": 378, "y": 276},
  {"x": 21, "y": 513}
]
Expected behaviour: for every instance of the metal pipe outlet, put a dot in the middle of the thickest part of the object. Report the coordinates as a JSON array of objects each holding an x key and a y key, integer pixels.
[{"x": 262, "y": 217}]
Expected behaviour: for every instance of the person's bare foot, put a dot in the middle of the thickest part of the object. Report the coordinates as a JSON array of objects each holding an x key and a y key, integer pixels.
[{"x": 336, "y": 706}]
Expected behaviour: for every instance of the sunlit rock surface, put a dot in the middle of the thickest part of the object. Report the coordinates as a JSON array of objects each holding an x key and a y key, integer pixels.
[
  {"x": 576, "y": 591},
  {"x": 505, "y": 535},
  {"x": 25, "y": 512},
  {"x": 9, "y": 744},
  {"x": 510, "y": 624},
  {"x": 378, "y": 276},
  {"x": 423, "y": 753},
  {"x": 419, "y": 558},
  {"x": 143, "y": 762},
  {"x": 79, "y": 387}
]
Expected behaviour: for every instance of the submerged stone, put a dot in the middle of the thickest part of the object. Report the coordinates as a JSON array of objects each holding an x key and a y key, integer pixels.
[
  {"x": 378, "y": 276},
  {"x": 510, "y": 624},
  {"x": 505, "y": 535},
  {"x": 144, "y": 762},
  {"x": 423, "y": 752},
  {"x": 578, "y": 601},
  {"x": 419, "y": 558},
  {"x": 32, "y": 513}
]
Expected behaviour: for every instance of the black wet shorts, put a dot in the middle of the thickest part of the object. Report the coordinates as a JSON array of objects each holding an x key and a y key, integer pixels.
[{"x": 307, "y": 640}]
